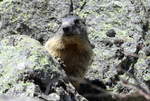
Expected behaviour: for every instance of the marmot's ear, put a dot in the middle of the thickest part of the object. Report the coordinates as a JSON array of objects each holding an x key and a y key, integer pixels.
[{"x": 71, "y": 8}]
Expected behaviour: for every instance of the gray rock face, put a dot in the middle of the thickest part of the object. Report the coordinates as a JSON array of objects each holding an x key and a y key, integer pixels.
[
  {"x": 23, "y": 58},
  {"x": 28, "y": 70},
  {"x": 10, "y": 98},
  {"x": 126, "y": 52},
  {"x": 35, "y": 18},
  {"x": 130, "y": 21}
]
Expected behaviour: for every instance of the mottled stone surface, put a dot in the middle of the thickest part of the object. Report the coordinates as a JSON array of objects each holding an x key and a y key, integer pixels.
[
  {"x": 27, "y": 70},
  {"x": 128, "y": 50}
]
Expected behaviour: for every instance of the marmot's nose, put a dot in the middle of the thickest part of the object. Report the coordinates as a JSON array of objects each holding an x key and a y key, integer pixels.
[
  {"x": 66, "y": 29},
  {"x": 68, "y": 26}
]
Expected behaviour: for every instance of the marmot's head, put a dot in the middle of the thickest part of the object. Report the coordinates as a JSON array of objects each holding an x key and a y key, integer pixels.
[
  {"x": 72, "y": 33},
  {"x": 73, "y": 26}
]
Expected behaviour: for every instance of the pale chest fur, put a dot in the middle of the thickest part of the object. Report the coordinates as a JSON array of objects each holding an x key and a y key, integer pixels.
[{"x": 76, "y": 57}]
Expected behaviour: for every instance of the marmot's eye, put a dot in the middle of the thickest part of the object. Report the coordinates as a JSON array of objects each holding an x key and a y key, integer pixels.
[{"x": 77, "y": 21}]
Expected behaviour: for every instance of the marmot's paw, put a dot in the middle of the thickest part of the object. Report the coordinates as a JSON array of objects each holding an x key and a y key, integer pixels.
[{"x": 60, "y": 62}]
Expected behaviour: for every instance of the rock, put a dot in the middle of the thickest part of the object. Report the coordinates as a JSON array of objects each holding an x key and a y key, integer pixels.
[
  {"x": 127, "y": 20},
  {"x": 92, "y": 89},
  {"x": 36, "y": 18},
  {"x": 24, "y": 59},
  {"x": 148, "y": 62},
  {"x": 147, "y": 50},
  {"x": 111, "y": 33},
  {"x": 40, "y": 19},
  {"x": 10, "y": 98},
  {"x": 27, "y": 70},
  {"x": 119, "y": 54},
  {"x": 118, "y": 42}
]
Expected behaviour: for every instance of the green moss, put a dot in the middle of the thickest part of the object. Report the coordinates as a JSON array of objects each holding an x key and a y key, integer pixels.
[
  {"x": 52, "y": 25},
  {"x": 43, "y": 60},
  {"x": 146, "y": 77},
  {"x": 26, "y": 55},
  {"x": 7, "y": 4}
]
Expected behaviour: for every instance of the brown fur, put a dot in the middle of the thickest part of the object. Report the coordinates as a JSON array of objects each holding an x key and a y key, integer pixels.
[
  {"x": 75, "y": 52},
  {"x": 72, "y": 46}
]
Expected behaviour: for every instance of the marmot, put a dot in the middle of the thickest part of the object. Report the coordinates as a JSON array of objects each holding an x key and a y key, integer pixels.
[{"x": 72, "y": 45}]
